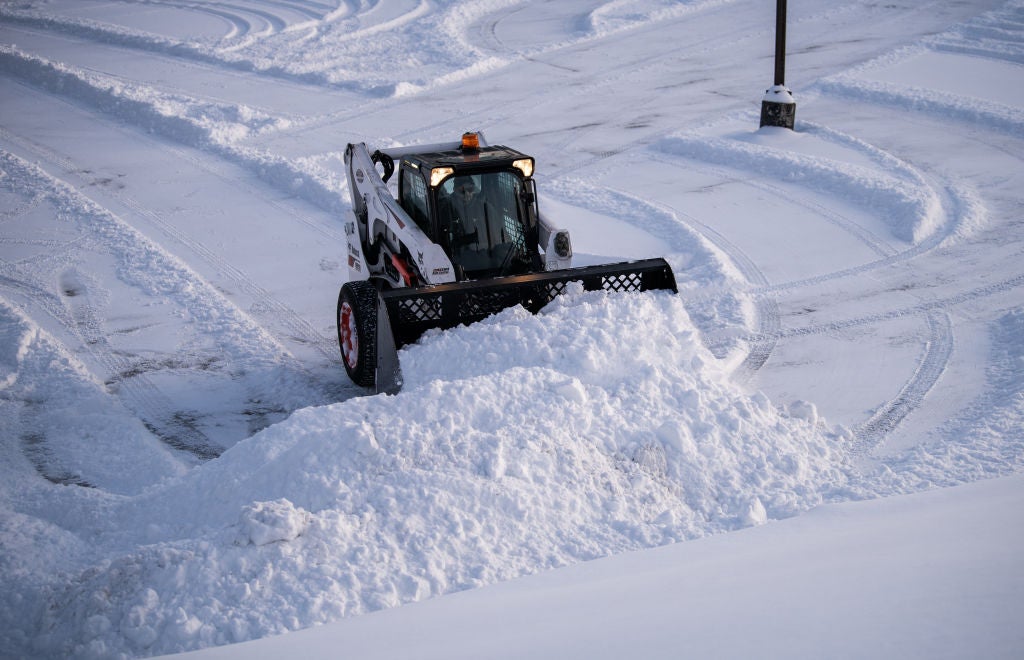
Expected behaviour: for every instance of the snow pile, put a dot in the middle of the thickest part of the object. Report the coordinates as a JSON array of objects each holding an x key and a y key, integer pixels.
[
  {"x": 935, "y": 575},
  {"x": 268, "y": 522},
  {"x": 709, "y": 282},
  {"x": 599, "y": 426}
]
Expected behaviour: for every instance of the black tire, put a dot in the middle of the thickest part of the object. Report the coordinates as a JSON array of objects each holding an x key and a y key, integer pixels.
[{"x": 357, "y": 331}]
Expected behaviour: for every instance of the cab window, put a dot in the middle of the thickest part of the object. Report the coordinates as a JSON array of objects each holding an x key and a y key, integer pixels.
[
  {"x": 479, "y": 215},
  {"x": 414, "y": 199}
]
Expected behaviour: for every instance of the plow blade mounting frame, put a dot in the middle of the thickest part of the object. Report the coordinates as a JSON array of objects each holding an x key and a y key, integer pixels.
[{"x": 413, "y": 311}]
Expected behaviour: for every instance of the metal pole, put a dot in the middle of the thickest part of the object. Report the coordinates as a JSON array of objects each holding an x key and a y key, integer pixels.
[
  {"x": 778, "y": 107},
  {"x": 780, "y": 42}
]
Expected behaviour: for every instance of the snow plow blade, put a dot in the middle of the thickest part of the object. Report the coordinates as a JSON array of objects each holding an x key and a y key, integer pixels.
[{"x": 414, "y": 311}]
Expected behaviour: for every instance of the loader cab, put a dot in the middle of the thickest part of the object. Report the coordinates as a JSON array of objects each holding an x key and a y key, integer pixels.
[{"x": 478, "y": 204}]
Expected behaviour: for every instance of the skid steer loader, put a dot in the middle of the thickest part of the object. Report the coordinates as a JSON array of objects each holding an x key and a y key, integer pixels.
[{"x": 463, "y": 239}]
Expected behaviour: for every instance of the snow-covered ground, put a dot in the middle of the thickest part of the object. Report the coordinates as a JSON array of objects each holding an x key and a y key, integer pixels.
[
  {"x": 185, "y": 465},
  {"x": 879, "y": 579}
]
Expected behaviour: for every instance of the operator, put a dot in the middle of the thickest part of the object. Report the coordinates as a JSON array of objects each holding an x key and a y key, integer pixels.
[{"x": 468, "y": 205}]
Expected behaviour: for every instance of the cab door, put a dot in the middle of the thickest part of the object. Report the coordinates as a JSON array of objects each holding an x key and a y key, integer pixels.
[{"x": 412, "y": 195}]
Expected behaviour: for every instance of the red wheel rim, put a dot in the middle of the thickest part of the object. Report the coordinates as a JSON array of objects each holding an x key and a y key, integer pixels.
[{"x": 349, "y": 335}]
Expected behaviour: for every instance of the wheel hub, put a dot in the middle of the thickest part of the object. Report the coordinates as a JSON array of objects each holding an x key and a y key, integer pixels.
[{"x": 349, "y": 335}]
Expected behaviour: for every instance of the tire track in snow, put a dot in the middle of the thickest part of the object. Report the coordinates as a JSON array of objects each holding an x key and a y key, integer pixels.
[
  {"x": 615, "y": 74},
  {"x": 234, "y": 14},
  {"x": 834, "y": 218},
  {"x": 311, "y": 10},
  {"x": 224, "y": 172},
  {"x": 487, "y": 114},
  {"x": 269, "y": 310},
  {"x": 74, "y": 312},
  {"x": 938, "y": 350},
  {"x": 767, "y": 308},
  {"x": 219, "y": 76},
  {"x": 958, "y": 211},
  {"x": 939, "y": 105},
  {"x": 15, "y": 281},
  {"x": 956, "y": 207},
  {"x": 961, "y": 215},
  {"x": 159, "y": 414},
  {"x": 183, "y": 131},
  {"x": 266, "y": 306},
  {"x": 239, "y": 26},
  {"x": 927, "y": 307},
  {"x": 487, "y": 29},
  {"x": 191, "y": 52},
  {"x": 128, "y": 379},
  {"x": 19, "y": 209},
  {"x": 167, "y": 88},
  {"x": 139, "y": 394},
  {"x": 421, "y": 9}
]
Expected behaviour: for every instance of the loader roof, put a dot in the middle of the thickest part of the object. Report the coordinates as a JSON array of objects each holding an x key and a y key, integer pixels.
[{"x": 469, "y": 159}]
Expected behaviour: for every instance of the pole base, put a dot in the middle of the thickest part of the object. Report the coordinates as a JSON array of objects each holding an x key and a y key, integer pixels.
[
  {"x": 782, "y": 115},
  {"x": 778, "y": 107}
]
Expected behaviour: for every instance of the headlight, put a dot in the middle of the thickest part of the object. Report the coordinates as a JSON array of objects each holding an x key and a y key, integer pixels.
[
  {"x": 524, "y": 165},
  {"x": 562, "y": 247},
  {"x": 438, "y": 174}
]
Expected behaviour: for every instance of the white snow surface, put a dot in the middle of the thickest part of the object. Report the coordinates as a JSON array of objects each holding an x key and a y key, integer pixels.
[
  {"x": 778, "y": 591},
  {"x": 186, "y": 466}
]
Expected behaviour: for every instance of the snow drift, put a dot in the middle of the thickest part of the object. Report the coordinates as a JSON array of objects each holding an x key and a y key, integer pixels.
[{"x": 620, "y": 433}]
